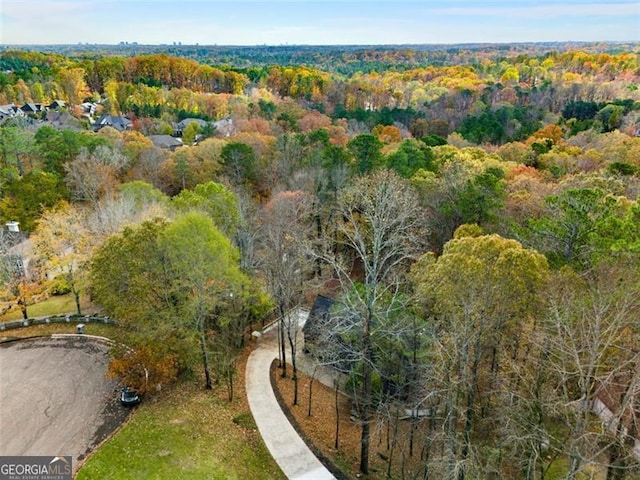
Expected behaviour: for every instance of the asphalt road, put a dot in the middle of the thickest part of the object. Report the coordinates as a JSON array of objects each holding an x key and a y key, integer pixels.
[{"x": 55, "y": 398}]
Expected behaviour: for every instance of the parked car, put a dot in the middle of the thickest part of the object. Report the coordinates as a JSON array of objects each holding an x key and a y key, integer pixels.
[{"x": 129, "y": 397}]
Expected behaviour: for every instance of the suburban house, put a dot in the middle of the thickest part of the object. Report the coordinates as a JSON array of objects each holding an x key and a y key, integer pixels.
[
  {"x": 56, "y": 104},
  {"x": 166, "y": 142},
  {"x": 179, "y": 127},
  {"x": 59, "y": 118},
  {"x": 88, "y": 108},
  {"x": 119, "y": 123},
  {"x": 317, "y": 320},
  {"x": 32, "y": 108},
  {"x": 224, "y": 127},
  {"x": 609, "y": 401},
  {"x": 10, "y": 111}
]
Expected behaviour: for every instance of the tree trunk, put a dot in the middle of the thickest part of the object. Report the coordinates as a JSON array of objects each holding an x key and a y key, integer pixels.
[
  {"x": 283, "y": 346},
  {"x": 336, "y": 444},
  {"x": 469, "y": 413},
  {"x": 205, "y": 360},
  {"x": 367, "y": 383},
  {"x": 230, "y": 371},
  {"x": 76, "y": 297},
  {"x": 292, "y": 345},
  {"x": 23, "y": 308},
  {"x": 313, "y": 377},
  {"x": 617, "y": 464}
]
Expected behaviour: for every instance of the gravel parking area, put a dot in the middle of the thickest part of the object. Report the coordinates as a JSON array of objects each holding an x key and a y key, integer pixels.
[{"x": 55, "y": 398}]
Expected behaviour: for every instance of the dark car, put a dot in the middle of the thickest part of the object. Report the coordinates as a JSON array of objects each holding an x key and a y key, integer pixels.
[{"x": 129, "y": 397}]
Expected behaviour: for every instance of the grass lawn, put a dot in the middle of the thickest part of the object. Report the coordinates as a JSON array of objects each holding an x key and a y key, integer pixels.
[
  {"x": 53, "y": 305},
  {"x": 188, "y": 433}
]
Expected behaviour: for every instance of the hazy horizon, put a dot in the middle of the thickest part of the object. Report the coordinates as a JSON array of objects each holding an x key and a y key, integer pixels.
[{"x": 297, "y": 22}]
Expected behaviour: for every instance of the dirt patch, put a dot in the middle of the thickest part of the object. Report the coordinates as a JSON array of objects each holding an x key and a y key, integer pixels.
[{"x": 319, "y": 430}]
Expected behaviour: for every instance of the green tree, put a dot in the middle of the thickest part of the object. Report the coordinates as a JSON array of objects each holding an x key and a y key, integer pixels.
[
  {"x": 479, "y": 200},
  {"x": 213, "y": 199},
  {"x": 58, "y": 147},
  {"x": 16, "y": 148},
  {"x": 609, "y": 117},
  {"x": 190, "y": 132},
  {"x": 367, "y": 151},
  {"x": 205, "y": 267},
  {"x": 26, "y": 198},
  {"x": 129, "y": 277},
  {"x": 566, "y": 231},
  {"x": 239, "y": 163},
  {"x": 482, "y": 293},
  {"x": 170, "y": 281},
  {"x": 409, "y": 158}
]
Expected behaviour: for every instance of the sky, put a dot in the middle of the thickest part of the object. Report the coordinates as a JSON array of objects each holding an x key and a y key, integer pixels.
[{"x": 331, "y": 22}]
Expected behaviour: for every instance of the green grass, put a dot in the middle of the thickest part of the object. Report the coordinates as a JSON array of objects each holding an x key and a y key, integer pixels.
[
  {"x": 52, "y": 306},
  {"x": 558, "y": 469},
  {"x": 187, "y": 434}
]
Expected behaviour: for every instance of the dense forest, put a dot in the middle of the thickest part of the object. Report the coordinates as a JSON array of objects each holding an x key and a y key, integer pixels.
[{"x": 472, "y": 211}]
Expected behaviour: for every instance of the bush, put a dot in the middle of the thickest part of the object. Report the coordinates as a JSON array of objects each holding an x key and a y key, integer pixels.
[{"x": 58, "y": 286}]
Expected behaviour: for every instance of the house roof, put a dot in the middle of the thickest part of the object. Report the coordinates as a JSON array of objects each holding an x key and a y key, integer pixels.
[
  {"x": 165, "y": 141},
  {"x": 224, "y": 127},
  {"x": 32, "y": 107},
  {"x": 183, "y": 124},
  {"x": 319, "y": 312},
  {"x": 57, "y": 104},
  {"x": 10, "y": 111},
  {"x": 119, "y": 123}
]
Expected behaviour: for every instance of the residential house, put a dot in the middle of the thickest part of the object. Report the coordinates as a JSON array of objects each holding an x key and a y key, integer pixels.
[
  {"x": 119, "y": 123},
  {"x": 166, "y": 142},
  {"x": 56, "y": 105},
  {"x": 60, "y": 119},
  {"x": 224, "y": 127},
  {"x": 317, "y": 320},
  {"x": 88, "y": 108},
  {"x": 617, "y": 403},
  {"x": 32, "y": 108},
  {"x": 179, "y": 127},
  {"x": 10, "y": 111}
]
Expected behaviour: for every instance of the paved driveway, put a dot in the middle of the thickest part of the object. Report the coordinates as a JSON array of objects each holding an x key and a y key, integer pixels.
[
  {"x": 55, "y": 398},
  {"x": 285, "y": 445}
]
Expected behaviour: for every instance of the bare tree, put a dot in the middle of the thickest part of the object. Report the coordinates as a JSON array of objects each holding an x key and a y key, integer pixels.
[
  {"x": 285, "y": 232},
  {"x": 114, "y": 212},
  {"x": 94, "y": 175},
  {"x": 379, "y": 235},
  {"x": 591, "y": 327}
]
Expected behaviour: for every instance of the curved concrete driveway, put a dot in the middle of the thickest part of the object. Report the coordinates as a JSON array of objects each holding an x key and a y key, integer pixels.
[
  {"x": 55, "y": 398},
  {"x": 285, "y": 445}
]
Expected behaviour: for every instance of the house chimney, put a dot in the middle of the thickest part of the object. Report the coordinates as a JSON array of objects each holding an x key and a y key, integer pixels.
[{"x": 13, "y": 226}]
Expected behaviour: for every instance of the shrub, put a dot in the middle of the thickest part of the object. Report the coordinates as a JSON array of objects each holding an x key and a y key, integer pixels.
[{"x": 58, "y": 286}]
